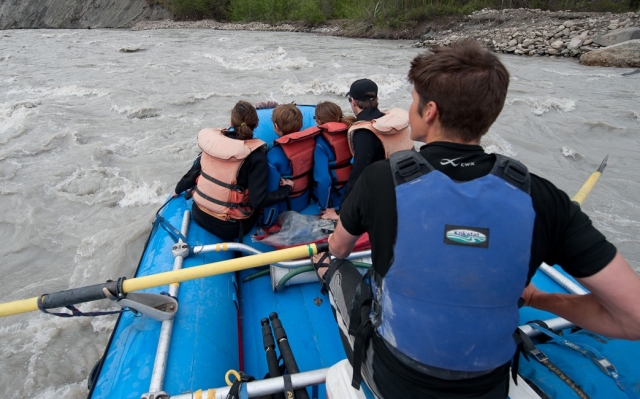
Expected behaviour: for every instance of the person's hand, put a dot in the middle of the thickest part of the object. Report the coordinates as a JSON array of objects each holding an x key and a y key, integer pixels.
[
  {"x": 528, "y": 293},
  {"x": 286, "y": 182},
  {"x": 174, "y": 195},
  {"x": 330, "y": 214}
]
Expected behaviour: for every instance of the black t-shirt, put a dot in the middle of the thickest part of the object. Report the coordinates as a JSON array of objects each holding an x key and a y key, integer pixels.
[
  {"x": 562, "y": 235},
  {"x": 367, "y": 148}
]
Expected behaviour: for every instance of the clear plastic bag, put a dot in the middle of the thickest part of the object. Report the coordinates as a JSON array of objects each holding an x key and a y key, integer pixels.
[{"x": 298, "y": 229}]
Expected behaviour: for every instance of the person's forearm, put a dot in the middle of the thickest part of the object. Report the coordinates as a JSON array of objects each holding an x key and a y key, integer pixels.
[
  {"x": 582, "y": 310},
  {"x": 341, "y": 243},
  {"x": 585, "y": 311}
]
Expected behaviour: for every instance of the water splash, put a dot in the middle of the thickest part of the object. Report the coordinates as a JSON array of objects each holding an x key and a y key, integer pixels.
[
  {"x": 259, "y": 58},
  {"x": 137, "y": 113},
  {"x": 493, "y": 143},
  {"x": 540, "y": 106},
  {"x": 570, "y": 152}
]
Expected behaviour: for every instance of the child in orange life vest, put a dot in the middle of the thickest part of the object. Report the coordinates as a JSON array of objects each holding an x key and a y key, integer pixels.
[
  {"x": 290, "y": 160},
  {"x": 230, "y": 177},
  {"x": 332, "y": 157}
]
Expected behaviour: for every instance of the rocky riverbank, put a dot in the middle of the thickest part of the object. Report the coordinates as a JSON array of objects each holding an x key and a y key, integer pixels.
[
  {"x": 541, "y": 33},
  {"x": 523, "y": 32}
]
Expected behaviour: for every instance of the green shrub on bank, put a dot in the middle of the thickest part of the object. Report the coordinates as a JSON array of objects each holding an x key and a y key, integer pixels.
[
  {"x": 394, "y": 13},
  {"x": 275, "y": 11}
]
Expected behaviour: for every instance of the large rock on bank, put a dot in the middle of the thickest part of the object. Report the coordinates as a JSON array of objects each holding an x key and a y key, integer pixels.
[
  {"x": 618, "y": 36},
  {"x": 21, "y": 14},
  {"x": 625, "y": 55}
]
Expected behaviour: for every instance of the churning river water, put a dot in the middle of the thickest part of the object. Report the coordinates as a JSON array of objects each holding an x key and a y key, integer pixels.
[{"x": 97, "y": 126}]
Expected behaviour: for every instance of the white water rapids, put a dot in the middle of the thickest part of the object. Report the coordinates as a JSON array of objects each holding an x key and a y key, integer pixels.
[{"x": 97, "y": 126}]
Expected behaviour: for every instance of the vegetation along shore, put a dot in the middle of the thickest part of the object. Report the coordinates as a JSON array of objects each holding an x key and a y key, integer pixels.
[
  {"x": 605, "y": 33},
  {"x": 597, "y": 32}
]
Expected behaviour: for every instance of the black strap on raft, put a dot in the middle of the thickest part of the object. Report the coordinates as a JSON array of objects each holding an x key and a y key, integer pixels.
[
  {"x": 527, "y": 347},
  {"x": 175, "y": 234},
  {"x": 590, "y": 353},
  {"x": 75, "y": 312},
  {"x": 238, "y": 389}
]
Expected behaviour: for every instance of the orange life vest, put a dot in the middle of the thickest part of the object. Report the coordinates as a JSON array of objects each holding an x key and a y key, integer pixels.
[
  {"x": 217, "y": 192},
  {"x": 392, "y": 129},
  {"x": 298, "y": 148},
  {"x": 335, "y": 133}
]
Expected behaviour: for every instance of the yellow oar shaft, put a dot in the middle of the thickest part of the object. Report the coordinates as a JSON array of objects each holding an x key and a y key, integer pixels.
[
  {"x": 586, "y": 188},
  {"x": 211, "y": 269},
  {"x": 160, "y": 279},
  {"x": 591, "y": 181},
  {"x": 17, "y": 307}
]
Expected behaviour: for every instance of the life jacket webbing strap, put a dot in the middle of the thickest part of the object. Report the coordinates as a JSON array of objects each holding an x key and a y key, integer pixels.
[
  {"x": 361, "y": 330},
  {"x": 408, "y": 165},
  {"x": 363, "y": 336},
  {"x": 234, "y": 187},
  {"x": 75, "y": 312},
  {"x": 602, "y": 362},
  {"x": 230, "y": 205},
  {"x": 527, "y": 347},
  {"x": 513, "y": 172}
]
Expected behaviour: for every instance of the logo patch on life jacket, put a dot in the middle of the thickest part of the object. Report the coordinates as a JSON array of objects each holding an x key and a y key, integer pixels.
[{"x": 466, "y": 236}]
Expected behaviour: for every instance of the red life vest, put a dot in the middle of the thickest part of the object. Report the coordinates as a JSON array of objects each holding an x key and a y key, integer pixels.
[
  {"x": 335, "y": 133},
  {"x": 392, "y": 129},
  {"x": 217, "y": 192},
  {"x": 298, "y": 148}
]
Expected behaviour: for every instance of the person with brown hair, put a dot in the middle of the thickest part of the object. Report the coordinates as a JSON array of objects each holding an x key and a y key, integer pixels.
[
  {"x": 291, "y": 160},
  {"x": 332, "y": 157},
  {"x": 368, "y": 142},
  {"x": 230, "y": 177},
  {"x": 456, "y": 236}
]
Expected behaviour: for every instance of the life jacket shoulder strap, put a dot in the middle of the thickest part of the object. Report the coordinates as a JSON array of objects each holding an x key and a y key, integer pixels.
[
  {"x": 408, "y": 165},
  {"x": 335, "y": 134},
  {"x": 513, "y": 172},
  {"x": 310, "y": 132}
]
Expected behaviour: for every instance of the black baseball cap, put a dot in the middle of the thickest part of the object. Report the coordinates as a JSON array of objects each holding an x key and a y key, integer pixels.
[{"x": 363, "y": 90}]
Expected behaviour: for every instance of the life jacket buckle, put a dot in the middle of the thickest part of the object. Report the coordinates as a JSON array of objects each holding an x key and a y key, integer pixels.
[{"x": 407, "y": 167}]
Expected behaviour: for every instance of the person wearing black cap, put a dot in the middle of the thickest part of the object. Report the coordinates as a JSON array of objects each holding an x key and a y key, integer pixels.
[
  {"x": 367, "y": 148},
  {"x": 375, "y": 135}
]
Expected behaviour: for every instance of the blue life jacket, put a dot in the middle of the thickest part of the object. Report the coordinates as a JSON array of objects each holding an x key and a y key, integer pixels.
[
  {"x": 279, "y": 165},
  {"x": 461, "y": 259},
  {"x": 292, "y": 158}
]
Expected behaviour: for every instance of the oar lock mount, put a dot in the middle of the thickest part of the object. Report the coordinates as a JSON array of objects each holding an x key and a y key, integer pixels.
[
  {"x": 180, "y": 249},
  {"x": 157, "y": 306}
]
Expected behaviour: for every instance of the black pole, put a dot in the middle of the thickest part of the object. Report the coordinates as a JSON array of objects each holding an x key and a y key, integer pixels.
[
  {"x": 75, "y": 296},
  {"x": 270, "y": 351},
  {"x": 286, "y": 353}
]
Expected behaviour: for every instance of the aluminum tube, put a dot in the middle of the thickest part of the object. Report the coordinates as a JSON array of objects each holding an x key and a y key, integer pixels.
[
  {"x": 162, "y": 352},
  {"x": 265, "y": 387},
  {"x": 556, "y": 324},
  {"x": 563, "y": 280},
  {"x": 246, "y": 249}
]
